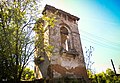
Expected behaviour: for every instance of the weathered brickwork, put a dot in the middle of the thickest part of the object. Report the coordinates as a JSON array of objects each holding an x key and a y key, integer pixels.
[{"x": 67, "y": 58}]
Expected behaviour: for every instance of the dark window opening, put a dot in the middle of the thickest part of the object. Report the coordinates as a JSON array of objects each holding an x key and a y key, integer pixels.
[
  {"x": 66, "y": 42},
  {"x": 64, "y": 38}
]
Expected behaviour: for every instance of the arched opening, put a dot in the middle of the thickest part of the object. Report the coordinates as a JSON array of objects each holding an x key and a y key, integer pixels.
[{"x": 65, "y": 42}]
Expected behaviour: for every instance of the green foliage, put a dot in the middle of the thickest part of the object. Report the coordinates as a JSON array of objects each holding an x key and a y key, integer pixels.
[
  {"x": 17, "y": 18},
  {"x": 104, "y": 77},
  {"x": 28, "y": 75},
  {"x": 41, "y": 28}
]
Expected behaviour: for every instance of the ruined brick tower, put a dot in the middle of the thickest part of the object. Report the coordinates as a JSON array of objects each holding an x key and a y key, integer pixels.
[{"x": 67, "y": 58}]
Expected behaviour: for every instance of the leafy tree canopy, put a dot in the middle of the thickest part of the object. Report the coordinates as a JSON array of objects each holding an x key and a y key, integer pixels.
[
  {"x": 104, "y": 77},
  {"x": 17, "y": 39}
]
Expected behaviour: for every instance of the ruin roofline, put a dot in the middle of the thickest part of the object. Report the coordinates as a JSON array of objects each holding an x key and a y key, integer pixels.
[{"x": 53, "y": 9}]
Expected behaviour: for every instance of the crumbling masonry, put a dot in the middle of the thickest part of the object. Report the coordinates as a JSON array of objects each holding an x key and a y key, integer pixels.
[{"x": 67, "y": 58}]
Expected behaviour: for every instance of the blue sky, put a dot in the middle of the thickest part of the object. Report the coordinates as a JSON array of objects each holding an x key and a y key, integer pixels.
[{"x": 99, "y": 26}]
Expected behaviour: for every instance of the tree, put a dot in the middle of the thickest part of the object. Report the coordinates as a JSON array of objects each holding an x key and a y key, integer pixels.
[
  {"x": 15, "y": 42},
  {"x": 17, "y": 19},
  {"x": 104, "y": 77},
  {"x": 88, "y": 56}
]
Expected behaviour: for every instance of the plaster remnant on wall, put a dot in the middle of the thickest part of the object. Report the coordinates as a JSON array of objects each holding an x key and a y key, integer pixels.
[
  {"x": 56, "y": 74},
  {"x": 69, "y": 63}
]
